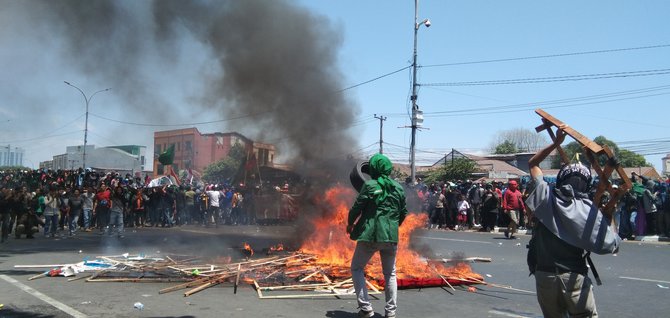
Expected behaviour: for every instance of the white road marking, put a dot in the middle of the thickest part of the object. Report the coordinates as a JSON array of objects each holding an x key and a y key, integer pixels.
[
  {"x": 645, "y": 280},
  {"x": 455, "y": 240},
  {"x": 63, "y": 307},
  {"x": 507, "y": 314}
]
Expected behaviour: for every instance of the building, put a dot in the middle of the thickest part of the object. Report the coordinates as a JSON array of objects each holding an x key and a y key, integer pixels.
[
  {"x": 666, "y": 165},
  {"x": 11, "y": 157},
  {"x": 195, "y": 151},
  {"x": 125, "y": 158}
]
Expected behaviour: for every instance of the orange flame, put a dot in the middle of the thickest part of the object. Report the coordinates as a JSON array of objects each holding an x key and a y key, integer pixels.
[
  {"x": 277, "y": 248},
  {"x": 248, "y": 248},
  {"x": 333, "y": 247}
]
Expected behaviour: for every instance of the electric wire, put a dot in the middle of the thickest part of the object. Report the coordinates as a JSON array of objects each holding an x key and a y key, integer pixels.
[
  {"x": 550, "y": 56},
  {"x": 566, "y": 78}
]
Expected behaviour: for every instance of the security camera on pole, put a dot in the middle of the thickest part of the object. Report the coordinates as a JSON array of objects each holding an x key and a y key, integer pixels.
[{"x": 417, "y": 115}]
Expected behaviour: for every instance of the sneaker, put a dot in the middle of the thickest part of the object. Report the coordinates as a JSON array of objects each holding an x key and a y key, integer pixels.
[
  {"x": 362, "y": 313},
  {"x": 389, "y": 315}
]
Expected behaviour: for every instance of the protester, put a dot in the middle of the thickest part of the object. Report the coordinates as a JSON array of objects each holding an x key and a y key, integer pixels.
[
  {"x": 87, "y": 208},
  {"x": 569, "y": 227},
  {"x": 101, "y": 207},
  {"x": 513, "y": 206},
  {"x": 380, "y": 209},
  {"x": 489, "y": 209},
  {"x": 463, "y": 209},
  {"x": 76, "y": 203},
  {"x": 116, "y": 209},
  {"x": 51, "y": 213}
]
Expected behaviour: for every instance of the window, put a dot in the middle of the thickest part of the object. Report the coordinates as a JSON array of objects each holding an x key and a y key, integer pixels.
[
  {"x": 187, "y": 145},
  {"x": 158, "y": 149}
]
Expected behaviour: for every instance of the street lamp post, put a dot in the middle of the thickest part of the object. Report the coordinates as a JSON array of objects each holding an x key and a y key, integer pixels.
[
  {"x": 417, "y": 116},
  {"x": 88, "y": 101}
]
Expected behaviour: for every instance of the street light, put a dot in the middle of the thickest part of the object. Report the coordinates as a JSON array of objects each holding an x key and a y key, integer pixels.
[
  {"x": 88, "y": 101},
  {"x": 417, "y": 116}
]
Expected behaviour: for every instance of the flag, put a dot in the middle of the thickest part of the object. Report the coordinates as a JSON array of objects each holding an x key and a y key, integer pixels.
[
  {"x": 174, "y": 175},
  {"x": 167, "y": 156}
]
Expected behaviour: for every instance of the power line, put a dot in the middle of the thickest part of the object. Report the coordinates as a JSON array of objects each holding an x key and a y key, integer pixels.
[
  {"x": 567, "y": 78},
  {"x": 374, "y": 79},
  {"x": 550, "y": 55},
  {"x": 181, "y": 124}
]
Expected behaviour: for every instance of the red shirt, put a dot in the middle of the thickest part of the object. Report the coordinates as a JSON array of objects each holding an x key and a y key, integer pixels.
[{"x": 513, "y": 200}]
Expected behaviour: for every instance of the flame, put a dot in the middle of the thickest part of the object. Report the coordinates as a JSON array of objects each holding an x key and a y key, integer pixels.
[
  {"x": 334, "y": 248},
  {"x": 248, "y": 248},
  {"x": 277, "y": 248}
]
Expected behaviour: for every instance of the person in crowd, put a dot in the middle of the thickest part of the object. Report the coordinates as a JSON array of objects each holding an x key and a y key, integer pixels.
[
  {"x": 203, "y": 206},
  {"x": 154, "y": 207},
  {"x": 189, "y": 205},
  {"x": 489, "y": 209},
  {"x": 214, "y": 196},
  {"x": 649, "y": 205},
  {"x": 116, "y": 212},
  {"x": 168, "y": 206},
  {"x": 475, "y": 195},
  {"x": 76, "y": 203},
  {"x": 51, "y": 212},
  {"x": 380, "y": 209},
  {"x": 570, "y": 226},
  {"x": 513, "y": 206},
  {"x": 87, "y": 208},
  {"x": 665, "y": 207},
  {"x": 236, "y": 207},
  {"x": 101, "y": 207},
  {"x": 463, "y": 209},
  {"x": 5, "y": 197},
  {"x": 438, "y": 218},
  {"x": 138, "y": 207},
  {"x": 180, "y": 204}
]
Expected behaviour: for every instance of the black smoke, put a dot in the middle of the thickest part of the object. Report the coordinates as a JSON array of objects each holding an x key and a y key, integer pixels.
[{"x": 270, "y": 64}]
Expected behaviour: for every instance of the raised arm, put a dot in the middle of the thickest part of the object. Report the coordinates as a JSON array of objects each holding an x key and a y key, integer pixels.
[{"x": 534, "y": 162}]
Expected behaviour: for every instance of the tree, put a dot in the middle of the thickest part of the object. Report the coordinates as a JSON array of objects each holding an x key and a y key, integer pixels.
[
  {"x": 227, "y": 168},
  {"x": 457, "y": 169},
  {"x": 626, "y": 157},
  {"x": 506, "y": 147},
  {"x": 522, "y": 139}
]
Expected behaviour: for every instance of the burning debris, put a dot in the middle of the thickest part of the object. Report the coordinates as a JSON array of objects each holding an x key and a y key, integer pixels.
[{"x": 321, "y": 264}]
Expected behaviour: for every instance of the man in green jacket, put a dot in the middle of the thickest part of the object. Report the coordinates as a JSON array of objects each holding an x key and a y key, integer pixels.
[{"x": 373, "y": 222}]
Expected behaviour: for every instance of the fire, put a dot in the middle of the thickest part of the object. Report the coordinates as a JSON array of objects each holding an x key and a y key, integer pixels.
[
  {"x": 248, "y": 248},
  {"x": 334, "y": 248},
  {"x": 277, "y": 248}
]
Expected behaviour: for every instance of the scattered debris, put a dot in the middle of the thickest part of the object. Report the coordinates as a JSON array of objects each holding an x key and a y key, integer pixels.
[
  {"x": 661, "y": 286},
  {"x": 138, "y": 305}
]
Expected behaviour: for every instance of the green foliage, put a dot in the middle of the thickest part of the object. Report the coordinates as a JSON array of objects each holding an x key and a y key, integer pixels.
[
  {"x": 626, "y": 157},
  {"x": 458, "y": 169},
  {"x": 631, "y": 159},
  {"x": 227, "y": 168},
  {"x": 506, "y": 147}
]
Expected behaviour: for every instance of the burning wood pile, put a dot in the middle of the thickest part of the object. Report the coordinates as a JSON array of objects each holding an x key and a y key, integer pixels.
[{"x": 321, "y": 265}]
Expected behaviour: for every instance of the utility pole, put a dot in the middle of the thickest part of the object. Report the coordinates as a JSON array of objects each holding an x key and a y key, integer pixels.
[
  {"x": 88, "y": 101},
  {"x": 417, "y": 115},
  {"x": 381, "y": 132}
]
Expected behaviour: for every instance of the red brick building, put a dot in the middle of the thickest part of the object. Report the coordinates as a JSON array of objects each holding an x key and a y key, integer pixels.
[{"x": 194, "y": 150}]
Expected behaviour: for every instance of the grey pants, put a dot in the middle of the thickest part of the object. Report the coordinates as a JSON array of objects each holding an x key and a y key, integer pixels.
[
  {"x": 565, "y": 295},
  {"x": 362, "y": 255}
]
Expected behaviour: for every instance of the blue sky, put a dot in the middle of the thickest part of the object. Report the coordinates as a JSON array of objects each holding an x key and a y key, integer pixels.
[{"x": 377, "y": 39}]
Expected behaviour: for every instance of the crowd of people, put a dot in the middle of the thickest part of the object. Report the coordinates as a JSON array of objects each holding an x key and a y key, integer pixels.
[
  {"x": 463, "y": 205},
  {"x": 63, "y": 203}
]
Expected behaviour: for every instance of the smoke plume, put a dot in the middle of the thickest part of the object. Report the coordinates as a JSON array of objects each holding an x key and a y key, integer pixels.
[{"x": 270, "y": 64}]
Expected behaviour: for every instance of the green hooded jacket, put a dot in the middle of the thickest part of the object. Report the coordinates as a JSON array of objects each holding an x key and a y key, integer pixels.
[{"x": 380, "y": 206}]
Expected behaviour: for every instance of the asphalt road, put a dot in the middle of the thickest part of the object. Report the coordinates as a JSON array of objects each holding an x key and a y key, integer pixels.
[{"x": 634, "y": 282}]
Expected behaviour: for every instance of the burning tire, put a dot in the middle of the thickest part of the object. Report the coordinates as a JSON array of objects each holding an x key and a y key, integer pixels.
[{"x": 359, "y": 175}]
